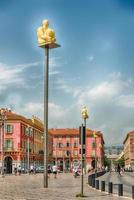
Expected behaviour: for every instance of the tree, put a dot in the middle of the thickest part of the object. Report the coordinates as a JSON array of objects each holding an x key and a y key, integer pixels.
[{"x": 107, "y": 162}]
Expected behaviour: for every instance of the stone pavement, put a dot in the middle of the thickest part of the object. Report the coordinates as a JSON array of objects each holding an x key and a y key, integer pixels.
[
  {"x": 30, "y": 187},
  {"x": 127, "y": 179}
]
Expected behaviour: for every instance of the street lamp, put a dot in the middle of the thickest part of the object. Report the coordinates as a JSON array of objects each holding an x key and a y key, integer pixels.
[
  {"x": 2, "y": 122},
  {"x": 56, "y": 160},
  {"x": 28, "y": 133},
  {"x": 63, "y": 155},
  {"x": 95, "y": 136},
  {"x": 46, "y": 40},
  {"x": 84, "y": 113}
]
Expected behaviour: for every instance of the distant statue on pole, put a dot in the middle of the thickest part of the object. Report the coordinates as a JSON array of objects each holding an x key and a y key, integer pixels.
[{"x": 45, "y": 34}]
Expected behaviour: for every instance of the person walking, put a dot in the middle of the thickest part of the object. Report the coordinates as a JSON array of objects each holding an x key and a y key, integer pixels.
[
  {"x": 54, "y": 168},
  {"x": 19, "y": 170},
  {"x": 31, "y": 169},
  {"x": 49, "y": 170},
  {"x": 119, "y": 169},
  {"x": 15, "y": 171}
]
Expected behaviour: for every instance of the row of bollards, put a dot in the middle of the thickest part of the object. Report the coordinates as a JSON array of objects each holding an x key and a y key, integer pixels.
[{"x": 95, "y": 184}]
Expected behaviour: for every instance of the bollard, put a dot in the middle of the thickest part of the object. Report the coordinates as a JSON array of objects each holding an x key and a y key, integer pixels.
[
  {"x": 132, "y": 191},
  {"x": 93, "y": 182},
  {"x": 110, "y": 187},
  {"x": 90, "y": 180},
  {"x": 97, "y": 184},
  {"x": 102, "y": 185},
  {"x": 120, "y": 189}
]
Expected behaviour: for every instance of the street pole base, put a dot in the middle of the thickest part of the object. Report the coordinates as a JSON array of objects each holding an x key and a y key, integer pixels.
[
  {"x": 3, "y": 175},
  {"x": 81, "y": 195}
]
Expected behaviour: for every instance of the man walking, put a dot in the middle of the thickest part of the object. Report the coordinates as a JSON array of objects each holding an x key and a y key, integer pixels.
[{"x": 54, "y": 168}]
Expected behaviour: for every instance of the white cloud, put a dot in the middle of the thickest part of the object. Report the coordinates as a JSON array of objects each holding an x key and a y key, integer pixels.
[
  {"x": 55, "y": 64},
  {"x": 13, "y": 75},
  {"x": 33, "y": 107},
  {"x": 126, "y": 101},
  {"x": 61, "y": 84},
  {"x": 105, "y": 89},
  {"x": 27, "y": 65},
  {"x": 56, "y": 111},
  {"x": 109, "y": 90},
  {"x": 67, "y": 86}
]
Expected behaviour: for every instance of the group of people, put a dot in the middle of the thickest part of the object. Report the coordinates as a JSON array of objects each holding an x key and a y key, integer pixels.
[
  {"x": 117, "y": 169},
  {"x": 17, "y": 170}
]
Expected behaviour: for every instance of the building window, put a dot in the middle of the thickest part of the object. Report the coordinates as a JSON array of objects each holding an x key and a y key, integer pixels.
[
  {"x": 25, "y": 130},
  {"x": 9, "y": 128},
  {"x": 60, "y": 145},
  {"x": 68, "y": 144},
  {"x": 93, "y": 154},
  {"x": 75, "y": 153},
  {"x": 93, "y": 144},
  {"x": 8, "y": 143},
  {"x": 68, "y": 153},
  {"x": 75, "y": 144}
]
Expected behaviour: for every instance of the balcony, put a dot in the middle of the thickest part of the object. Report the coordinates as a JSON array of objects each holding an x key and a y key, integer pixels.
[{"x": 8, "y": 149}]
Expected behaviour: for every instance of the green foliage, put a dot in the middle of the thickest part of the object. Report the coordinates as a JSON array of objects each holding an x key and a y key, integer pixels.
[
  {"x": 121, "y": 162},
  {"x": 107, "y": 162}
]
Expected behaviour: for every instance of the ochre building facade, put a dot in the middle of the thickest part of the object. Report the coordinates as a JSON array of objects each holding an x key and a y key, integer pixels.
[{"x": 129, "y": 150}]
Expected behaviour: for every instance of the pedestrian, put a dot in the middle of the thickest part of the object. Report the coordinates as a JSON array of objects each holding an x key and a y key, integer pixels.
[
  {"x": 54, "y": 168},
  {"x": 76, "y": 173},
  {"x": 119, "y": 169},
  {"x": 19, "y": 170},
  {"x": 15, "y": 171},
  {"x": 49, "y": 170},
  {"x": 31, "y": 169},
  {"x": 34, "y": 170}
]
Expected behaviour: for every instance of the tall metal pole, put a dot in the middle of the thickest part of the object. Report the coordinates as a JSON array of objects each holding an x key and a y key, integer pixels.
[
  {"x": 56, "y": 153},
  {"x": 63, "y": 160},
  {"x": 2, "y": 150},
  {"x": 95, "y": 161},
  {"x": 1, "y": 146},
  {"x": 82, "y": 160},
  {"x": 46, "y": 117},
  {"x": 85, "y": 164},
  {"x": 28, "y": 155},
  {"x": 84, "y": 113}
]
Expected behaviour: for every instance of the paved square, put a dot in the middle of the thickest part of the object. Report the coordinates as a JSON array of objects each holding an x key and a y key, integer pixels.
[{"x": 30, "y": 187}]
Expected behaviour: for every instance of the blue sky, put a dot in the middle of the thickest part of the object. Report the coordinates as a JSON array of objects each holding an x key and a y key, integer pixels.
[{"x": 94, "y": 65}]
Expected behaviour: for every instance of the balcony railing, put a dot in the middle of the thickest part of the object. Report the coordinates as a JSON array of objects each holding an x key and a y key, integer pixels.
[{"x": 8, "y": 148}]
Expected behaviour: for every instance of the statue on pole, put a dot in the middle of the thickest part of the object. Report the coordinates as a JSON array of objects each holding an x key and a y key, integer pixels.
[
  {"x": 84, "y": 112},
  {"x": 45, "y": 34}
]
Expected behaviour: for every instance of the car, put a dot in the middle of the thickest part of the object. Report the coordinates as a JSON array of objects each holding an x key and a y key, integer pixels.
[{"x": 40, "y": 169}]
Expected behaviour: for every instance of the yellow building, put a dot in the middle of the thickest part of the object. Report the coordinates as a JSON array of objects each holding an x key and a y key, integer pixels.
[{"x": 129, "y": 150}]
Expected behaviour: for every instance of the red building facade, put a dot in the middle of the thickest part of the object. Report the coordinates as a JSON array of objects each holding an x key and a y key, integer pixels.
[
  {"x": 23, "y": 142},
  {"x": 66, "y": 148}
]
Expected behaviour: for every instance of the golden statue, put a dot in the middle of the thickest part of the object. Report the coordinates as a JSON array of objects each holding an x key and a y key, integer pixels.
[
  {"x": 45, "y": 34},
  {"x": 84, "y": 112}
]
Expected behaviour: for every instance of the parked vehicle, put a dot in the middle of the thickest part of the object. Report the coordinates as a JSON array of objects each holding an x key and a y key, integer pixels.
[{"x": 40, "y": 169}]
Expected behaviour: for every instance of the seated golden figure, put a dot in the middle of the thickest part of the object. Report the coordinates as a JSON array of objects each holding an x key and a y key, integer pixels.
[
  {"x": 84, "y": 112},
  {"x": 45, "y": 34}
]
